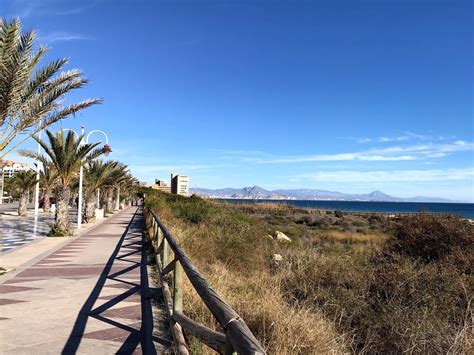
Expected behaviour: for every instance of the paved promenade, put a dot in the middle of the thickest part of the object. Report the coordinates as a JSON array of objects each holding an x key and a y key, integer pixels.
[{"x": 90, "y": 296}]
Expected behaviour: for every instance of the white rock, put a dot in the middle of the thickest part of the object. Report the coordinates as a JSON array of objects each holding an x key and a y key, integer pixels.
[
  {"x": 281, "y": 237},
  {"x": 277, "y": 258}
]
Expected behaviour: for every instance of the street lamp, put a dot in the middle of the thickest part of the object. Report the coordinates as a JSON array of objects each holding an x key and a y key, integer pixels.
[
  {"x": 105, "y": 150},
  {"x": 37, "y": 186}
]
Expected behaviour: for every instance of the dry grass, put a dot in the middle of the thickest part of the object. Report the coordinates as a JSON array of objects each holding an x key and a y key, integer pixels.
[
  {"x": 372, "y": 239},
  {"x": 234, "y": 257},
  {"x": 336, "y": 291},
  {"x": 282, "y": 329}
]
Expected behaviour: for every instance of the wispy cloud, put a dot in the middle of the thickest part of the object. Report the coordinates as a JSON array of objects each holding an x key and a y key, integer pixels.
[
  {"x": 62, "y": 36},
  {"x": 394, "y": 153},
  {"x": 388, "y": 176},
  {"x": 157, "y": 168},
  {"x": 400, "y": 138},
  {"x": 381, "y": 139},
  {"x": 29, "y": 8}
]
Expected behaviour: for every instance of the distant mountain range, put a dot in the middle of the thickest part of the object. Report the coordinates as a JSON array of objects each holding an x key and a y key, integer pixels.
[{"x": 258, "y": 193}]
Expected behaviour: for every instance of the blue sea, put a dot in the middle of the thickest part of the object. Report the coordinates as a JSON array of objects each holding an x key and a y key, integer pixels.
[{"x": 461, "y": 209}]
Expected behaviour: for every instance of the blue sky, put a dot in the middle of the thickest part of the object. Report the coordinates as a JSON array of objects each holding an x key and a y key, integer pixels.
[{"x": 352, "y": 96}]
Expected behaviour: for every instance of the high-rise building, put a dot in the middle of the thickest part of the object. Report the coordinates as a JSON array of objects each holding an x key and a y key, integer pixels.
[{"x": 180, "y": 184}]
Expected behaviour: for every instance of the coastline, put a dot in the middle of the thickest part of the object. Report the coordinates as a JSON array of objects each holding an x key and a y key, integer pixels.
[{"x": 465, "y": 210}]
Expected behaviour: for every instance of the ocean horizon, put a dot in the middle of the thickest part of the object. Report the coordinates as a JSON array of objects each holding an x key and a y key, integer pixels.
[{"x": 465, "y": 210}]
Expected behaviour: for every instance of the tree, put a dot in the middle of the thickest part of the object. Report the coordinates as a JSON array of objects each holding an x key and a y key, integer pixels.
[
  {"x": 31, "y": 97},
  {"x": 48, "y": 179},
  {"x": 67, "y": 154},
  {"x": 22, "y": 182},
  {"x": 116, "y": 178},
  {"x": 96, "y": 176},
  {"x": 125, "y": 189}
]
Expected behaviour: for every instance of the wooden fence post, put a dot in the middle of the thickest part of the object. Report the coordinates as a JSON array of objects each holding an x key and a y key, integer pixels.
[
  {"x": 164, "y": 253},
  {"x": 159, "y": 236},
  {"x": 228, "y": 349},
  {"x": 178, "y": 288}
]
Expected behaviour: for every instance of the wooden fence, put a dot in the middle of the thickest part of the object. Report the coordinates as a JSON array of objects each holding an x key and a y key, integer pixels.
[{"x": 237, "y": 337}]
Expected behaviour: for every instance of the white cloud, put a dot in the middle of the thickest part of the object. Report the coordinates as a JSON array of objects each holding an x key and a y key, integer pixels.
[
  {"x": 405, "y": 137},
  {"x": 395, "y": 153},
  {"x": 392, "y": 139},
  {"x": 168, "y": 168},
  {"x": 29, "y": 8},
  {"x": 418, "y": 136},
  {"x": 62, "y": 36}
]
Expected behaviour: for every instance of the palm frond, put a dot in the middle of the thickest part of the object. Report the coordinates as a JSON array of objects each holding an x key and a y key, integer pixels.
[{"x": 28, "y": 94}]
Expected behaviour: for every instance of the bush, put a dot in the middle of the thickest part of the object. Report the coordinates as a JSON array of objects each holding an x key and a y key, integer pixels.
[
  {"x": 191, "y": 209},
  {"x": 431, "y": 238},
  {"x": 53, "y": 232},
  {"x": 417, "y": 307},
  {"x": 304, "y": 220},
  {"x": 409, "y": 297}
]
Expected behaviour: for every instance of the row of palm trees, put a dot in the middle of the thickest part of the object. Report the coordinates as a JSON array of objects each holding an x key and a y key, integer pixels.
[
  {"x": 33, "y": 97},
  {"x": 59, "y": 176}
]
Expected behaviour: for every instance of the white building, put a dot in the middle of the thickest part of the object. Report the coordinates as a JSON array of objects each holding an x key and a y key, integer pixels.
[
  {"x": 180, "y": 184},
  {"x": 10, "y": 167}
]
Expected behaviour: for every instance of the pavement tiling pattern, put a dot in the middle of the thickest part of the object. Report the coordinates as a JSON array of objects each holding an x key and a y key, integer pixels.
[{"x": 90, "y": 296}]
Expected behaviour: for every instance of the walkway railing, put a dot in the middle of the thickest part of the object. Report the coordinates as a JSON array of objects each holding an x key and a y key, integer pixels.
[{"x": 237, "y": 337}]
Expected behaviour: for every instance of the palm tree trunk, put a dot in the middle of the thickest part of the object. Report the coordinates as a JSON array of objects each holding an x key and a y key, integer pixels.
[
  {"x": 62, "y": 223},
  {"x": 103, "y": 202},
  {"x": 109, "y": 201},
  {"x": 47, "y": 202},
  {"x": 89, "y": 211},
  {"x": 117, "y": 199},
  {"x": 22, "y": 204}
]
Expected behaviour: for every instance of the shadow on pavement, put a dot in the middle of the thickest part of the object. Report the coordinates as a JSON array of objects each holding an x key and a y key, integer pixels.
[{"x": 131, "y": 249}]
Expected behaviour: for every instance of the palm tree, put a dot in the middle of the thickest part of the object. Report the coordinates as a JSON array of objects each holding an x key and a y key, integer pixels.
[
  {"x": 23, "y": 181},
  {"x": 48, "y": 178},
  {"x": 96, "y": 176},
  {"x": 124, "y": 189},
  {"x": 118, "y": 176},
  {"x": 67, "y": 154},
  {"x": 31, "y": 97}
]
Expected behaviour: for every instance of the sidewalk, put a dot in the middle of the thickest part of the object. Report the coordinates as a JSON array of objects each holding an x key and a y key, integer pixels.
[{"x": 90, "y": 296}]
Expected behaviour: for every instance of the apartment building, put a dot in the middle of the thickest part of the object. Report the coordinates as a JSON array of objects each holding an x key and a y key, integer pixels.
[{"x": 180, "y": 184}]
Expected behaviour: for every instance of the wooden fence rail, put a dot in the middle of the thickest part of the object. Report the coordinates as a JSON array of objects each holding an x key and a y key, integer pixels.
[{"x": 237, "y": 337}]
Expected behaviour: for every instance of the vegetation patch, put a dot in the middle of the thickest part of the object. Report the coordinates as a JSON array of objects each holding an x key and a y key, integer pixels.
[{"x": 354, "y": 283}]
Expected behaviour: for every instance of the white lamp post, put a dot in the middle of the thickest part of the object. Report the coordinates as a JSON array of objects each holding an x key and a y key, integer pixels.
[
  {"x": 37, "y": 186},
  {"x": 106, "y": 151}
]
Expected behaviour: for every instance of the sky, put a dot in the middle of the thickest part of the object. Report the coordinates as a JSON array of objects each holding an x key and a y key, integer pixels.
[{"x": 342, "y": 95}]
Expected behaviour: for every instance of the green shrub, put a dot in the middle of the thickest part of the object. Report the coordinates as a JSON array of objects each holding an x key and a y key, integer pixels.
[
  {"x": 304, "y": 220},
  {"x": 431, "y": 238},
  {"x": 410, "y": 297}
]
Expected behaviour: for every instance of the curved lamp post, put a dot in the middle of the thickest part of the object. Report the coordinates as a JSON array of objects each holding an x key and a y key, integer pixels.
[
  {"x": 37, "y": 186},
  {"x": 106, "y": 150}
]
